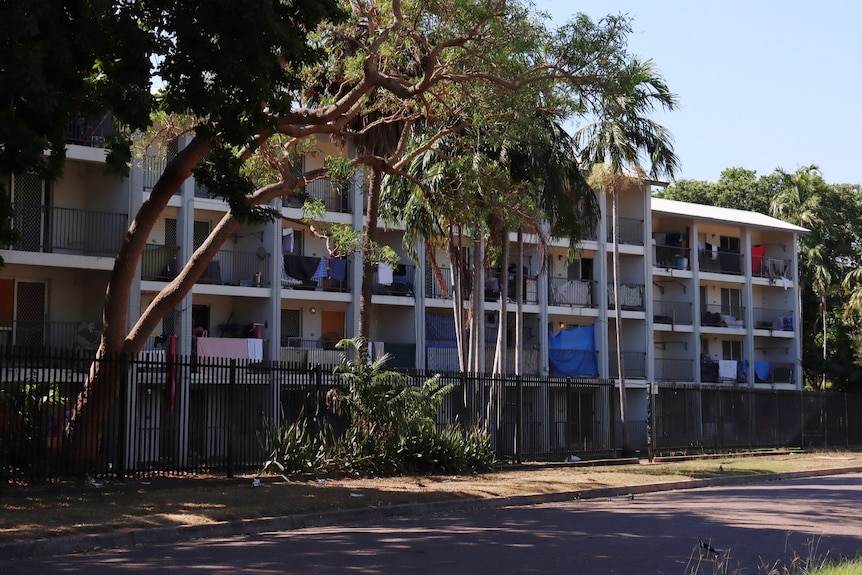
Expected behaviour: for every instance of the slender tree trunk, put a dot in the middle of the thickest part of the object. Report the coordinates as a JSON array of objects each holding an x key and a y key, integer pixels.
[
  {"x": 823, "y": 319},
  {"x": 626, "y": 448},
  {"x": 519, "y": 306}
]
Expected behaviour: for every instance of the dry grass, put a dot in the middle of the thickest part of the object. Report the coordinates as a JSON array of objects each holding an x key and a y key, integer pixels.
[{"x": 38, "y": 512}]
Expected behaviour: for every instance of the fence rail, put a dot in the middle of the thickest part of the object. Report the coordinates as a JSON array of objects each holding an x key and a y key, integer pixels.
[{"x": 202, "y": 416}]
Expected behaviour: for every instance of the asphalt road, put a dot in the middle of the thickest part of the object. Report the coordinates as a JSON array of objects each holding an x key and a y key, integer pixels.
[{"x": 753, "y": 527}]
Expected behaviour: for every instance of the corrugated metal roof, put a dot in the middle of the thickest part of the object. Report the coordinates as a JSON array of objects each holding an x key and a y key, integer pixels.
[{"x": 723, "y": 215}]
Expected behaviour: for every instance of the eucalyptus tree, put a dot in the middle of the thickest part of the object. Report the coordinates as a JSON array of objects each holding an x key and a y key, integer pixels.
[{"x": 616, "y": 144}]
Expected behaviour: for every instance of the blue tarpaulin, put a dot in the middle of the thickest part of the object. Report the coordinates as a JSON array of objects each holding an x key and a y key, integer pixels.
[
  {"x": 572, "y": 351},
  {"x": 439, "y": 331}
]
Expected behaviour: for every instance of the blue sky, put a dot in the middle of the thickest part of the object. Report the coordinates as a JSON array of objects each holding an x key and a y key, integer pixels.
[{"x": 761, "y": 83}]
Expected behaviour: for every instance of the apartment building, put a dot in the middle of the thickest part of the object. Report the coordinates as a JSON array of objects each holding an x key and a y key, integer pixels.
[{"x": 707, "y": 295}]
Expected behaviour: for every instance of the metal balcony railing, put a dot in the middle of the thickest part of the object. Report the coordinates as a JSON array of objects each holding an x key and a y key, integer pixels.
[
  {"x": 773, "y": 319},
  {"x": 631, "y": 296},
  {"x": 316, "y": 274},
  {"x": 334, "y": 195},
  {"x": 634, "y": 364},
  {"x": 49, "y": 229},
  {"x": 572, "y": 293},
  {"x": 631, "y": 231},
  {"x": 671, "y": 369},
  {"x": 721, "y": 261},
  {"x": 672, "y": 312},
  {"x": 38, "y": 336},
  {"x": 394, "y": 281},
  {"x": 672, "y": 257},
  {"x": 715, "y": 315},
  {"x": 432, "y": 285},
  {"x": 90, "y": 131}
]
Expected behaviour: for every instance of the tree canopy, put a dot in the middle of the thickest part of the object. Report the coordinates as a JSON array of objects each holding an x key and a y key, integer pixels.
[{"x": 256, "y": 79}]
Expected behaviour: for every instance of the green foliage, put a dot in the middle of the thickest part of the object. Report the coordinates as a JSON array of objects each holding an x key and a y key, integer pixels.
[
  {"x": 28, "y": 412},
  {"x": 392, "y": 428},
  {"x": 289, "y": 447}
]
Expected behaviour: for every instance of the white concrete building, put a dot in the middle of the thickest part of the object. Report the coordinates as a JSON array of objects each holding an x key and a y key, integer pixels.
[{"x": 708, "y": 295}]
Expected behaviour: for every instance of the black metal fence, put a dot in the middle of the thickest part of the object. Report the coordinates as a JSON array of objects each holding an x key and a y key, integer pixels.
[{"x": 202, "y": 417}]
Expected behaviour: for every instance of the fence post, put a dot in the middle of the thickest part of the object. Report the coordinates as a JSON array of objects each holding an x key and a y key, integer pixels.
[
  {"x": 230, "y": 415},
  {"x": 649, "y": 415},
  {"x": 123, "y": 424},
  {"x": 612, "y": 393},
  {"x": 519, "y": 417}
]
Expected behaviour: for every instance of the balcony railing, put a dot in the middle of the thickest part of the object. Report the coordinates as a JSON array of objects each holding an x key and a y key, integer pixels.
[
  {"x": 432, "y": 286},
  {"x": 37, "y": 336},
  {"x": 315, "y": 274},
  {"x": 572, "y": 293},
  {"x": 715, "y": 315},
  {"x": 773, "y": 319},
  {"x": 631, "y": 296},
  {"x": 334, "y": 195},
  {"x": 94, "y": 132},
  {"x": 672, "y": 257},
  {"x": 670, "y": 369},
  {"x": 445, "y": 359},
  {"x": 672, "y": 312},
  {"x": 634, "y": 364},
  {"x": 721, "y": 261},
  {"x": 771, "y": 268},
  {"x": 50, "y": 229},
  {"x": 394, "y": 281},
  {"x": 249, "y": 269},
  {"x": 631, "y": 231}
]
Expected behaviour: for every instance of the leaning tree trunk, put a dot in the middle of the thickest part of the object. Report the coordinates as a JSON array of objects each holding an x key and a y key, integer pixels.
[
  {"x": 626, "y": 448},
  {"x": 85, "y": 428},
  {"x": 366, "y": 291}
]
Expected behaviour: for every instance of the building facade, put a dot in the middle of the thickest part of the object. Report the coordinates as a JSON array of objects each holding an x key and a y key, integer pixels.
[{"x": 707, "y": 295}]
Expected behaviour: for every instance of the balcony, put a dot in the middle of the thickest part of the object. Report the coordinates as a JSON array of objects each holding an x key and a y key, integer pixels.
[
  {"x": 771, "y": 268},
  {"x": 37, "y": 336},
  {"x": 334, "y": 195},
  {"x": 672, "y": 257},
  {"x": 315, "y": 273},
  {"x": 248, "y": 269},
  {"x": 93, "y": 132},
  {"x": 773, "y": 319},
  {"x": 572, "y": 293},
  {"x": 676, "y": 370},
  {"x": 631, "y": 231},
  {"x": 634, "y": 364},
  {"x": 631, "y": 297},
  {"x": 672, "y": 312},
  {"x": 432, "y": 286},
  {"x": 445, "y": 359},
  {"x": 728, "y": 316},
  {"x": 394, "y": 281},
  {"x": 48, "y": 229},
  {"x": 721, "y": 261}
]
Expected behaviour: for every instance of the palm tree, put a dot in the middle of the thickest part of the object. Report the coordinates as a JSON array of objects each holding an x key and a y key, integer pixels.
[
  {"x": 618, "y": 140},
  {"x": 802, "y": 200}
]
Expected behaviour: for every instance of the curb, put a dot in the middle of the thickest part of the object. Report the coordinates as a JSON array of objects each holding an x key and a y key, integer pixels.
[{"x": 163, "y": 535}]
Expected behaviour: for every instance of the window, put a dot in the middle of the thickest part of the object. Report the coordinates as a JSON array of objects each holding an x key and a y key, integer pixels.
[
  {"x": 731, "y": 302},
  {"x": 291, "y": 328},
  {"x": 731, "y": 350}
]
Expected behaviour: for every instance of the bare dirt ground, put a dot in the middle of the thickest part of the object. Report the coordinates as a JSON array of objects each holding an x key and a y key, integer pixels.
[{"x": 96, "y": 507}]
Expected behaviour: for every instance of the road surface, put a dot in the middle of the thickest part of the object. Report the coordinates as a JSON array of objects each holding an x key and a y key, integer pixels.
[{"x": 751, "y": 527}]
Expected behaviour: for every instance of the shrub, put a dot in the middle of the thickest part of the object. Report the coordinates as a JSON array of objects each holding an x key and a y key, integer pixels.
[{"x": 392, "y": 428}]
